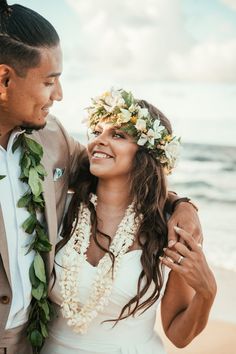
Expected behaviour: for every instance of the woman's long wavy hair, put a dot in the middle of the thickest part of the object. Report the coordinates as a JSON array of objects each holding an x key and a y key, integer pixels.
[{"x": 149, "y": 191}]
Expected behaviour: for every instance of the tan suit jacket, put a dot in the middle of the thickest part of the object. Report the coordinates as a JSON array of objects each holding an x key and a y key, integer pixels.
[{"x": 60, "y": 151}]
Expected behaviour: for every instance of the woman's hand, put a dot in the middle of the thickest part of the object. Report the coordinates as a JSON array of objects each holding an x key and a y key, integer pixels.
[
  {"x": 190, "y": 290},
  {"x": 188, "y": 260},
  {"x": 185, "y": 216}
]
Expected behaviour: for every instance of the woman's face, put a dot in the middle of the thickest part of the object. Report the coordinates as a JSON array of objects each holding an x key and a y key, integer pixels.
[{"x": 111, "y": 152}]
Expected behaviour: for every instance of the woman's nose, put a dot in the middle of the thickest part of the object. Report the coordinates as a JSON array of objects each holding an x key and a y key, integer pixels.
[{"x": 102, "y": 138}]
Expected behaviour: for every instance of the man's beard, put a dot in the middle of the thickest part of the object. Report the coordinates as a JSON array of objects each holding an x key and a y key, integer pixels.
[{"x": 32, "y": 126}]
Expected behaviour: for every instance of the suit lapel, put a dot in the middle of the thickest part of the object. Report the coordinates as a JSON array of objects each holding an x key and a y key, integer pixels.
[{"x": 3, "y": 247}]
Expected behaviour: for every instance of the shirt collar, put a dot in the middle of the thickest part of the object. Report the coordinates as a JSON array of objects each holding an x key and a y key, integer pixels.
[{"x": 14, "y": 135}]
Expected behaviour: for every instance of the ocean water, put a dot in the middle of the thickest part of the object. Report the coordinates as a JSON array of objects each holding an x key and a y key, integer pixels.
[{"x": 207, "y": 174}]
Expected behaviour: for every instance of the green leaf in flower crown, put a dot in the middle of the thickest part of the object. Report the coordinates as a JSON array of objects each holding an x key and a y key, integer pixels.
[
  {"x": 41, "y": 170},
  {"x": 1, "y": 177},
  {"x": 39, "y": 268},
  {"x": 128, "y": 98},
  {"x": 36, "y": 338},
  {"x": 34, "y": 182},
  {"x": 33, "y": 279},
  {"x": 29, "y": 224},
  {"x": 34, "y": 146},
  {"x": 37, "y": 293},
  {"x": 17, "y": 143},
  {"x": 24, "y": 201}
]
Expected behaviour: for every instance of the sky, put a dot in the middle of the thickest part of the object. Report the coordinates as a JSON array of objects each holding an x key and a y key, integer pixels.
[{"x": 178, "y": 54}]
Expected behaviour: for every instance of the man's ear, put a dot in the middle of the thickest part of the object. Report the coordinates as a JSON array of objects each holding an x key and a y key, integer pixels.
[{"x": 5, "y": 75}]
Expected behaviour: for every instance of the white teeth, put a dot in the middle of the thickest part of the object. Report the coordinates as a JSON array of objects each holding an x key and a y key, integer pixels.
[{"x": 100, "y": 155}]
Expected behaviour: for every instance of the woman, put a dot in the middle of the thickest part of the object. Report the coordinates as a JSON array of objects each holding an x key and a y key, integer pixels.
[{"x": 112, "y": 265}]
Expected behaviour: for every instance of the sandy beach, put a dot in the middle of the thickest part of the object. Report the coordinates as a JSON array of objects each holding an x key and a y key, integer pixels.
[{"x": 219, "y": 337}]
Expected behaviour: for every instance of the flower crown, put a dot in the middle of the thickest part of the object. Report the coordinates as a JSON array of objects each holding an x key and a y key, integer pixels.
[{"x": 120, "y": 108}]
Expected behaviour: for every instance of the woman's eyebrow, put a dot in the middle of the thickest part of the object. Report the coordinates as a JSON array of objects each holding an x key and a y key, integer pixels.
[{"x": 113, "y": 128}]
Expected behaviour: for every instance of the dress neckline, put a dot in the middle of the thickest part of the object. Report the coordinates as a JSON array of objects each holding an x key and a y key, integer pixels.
[{"x": 127, "y": 253}]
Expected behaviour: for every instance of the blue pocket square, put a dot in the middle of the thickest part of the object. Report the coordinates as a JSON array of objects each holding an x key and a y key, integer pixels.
[{"x": 58, "y": 173}]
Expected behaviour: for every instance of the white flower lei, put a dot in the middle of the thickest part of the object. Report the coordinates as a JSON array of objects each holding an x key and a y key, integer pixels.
[{"x": 75, "y": 254}]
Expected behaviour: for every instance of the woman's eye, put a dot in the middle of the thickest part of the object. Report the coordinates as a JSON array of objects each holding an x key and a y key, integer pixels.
[
  {"x": 96, "y": 132},
  {"x": 92, "y": 134},
  {"x": 119, "y": 135}
]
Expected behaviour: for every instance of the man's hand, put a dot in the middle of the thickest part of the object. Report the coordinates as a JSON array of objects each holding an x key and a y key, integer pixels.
[{"x": 186, "y": 217}]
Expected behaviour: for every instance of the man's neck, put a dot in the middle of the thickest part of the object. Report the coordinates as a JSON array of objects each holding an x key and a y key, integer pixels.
[
  {"x": 4, "y": 137},
  {"x": 5, "y": 129}
]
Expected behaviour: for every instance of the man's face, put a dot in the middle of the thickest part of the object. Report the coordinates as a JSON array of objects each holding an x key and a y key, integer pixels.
[{"x": 29, "y": 98}]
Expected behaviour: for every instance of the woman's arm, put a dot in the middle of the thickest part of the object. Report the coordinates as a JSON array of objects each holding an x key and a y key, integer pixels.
[
  {"x": 190, "y": 291},
  {"x": 183, "y": 214}
]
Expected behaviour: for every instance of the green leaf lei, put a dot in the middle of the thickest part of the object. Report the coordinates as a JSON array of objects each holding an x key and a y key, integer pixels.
[
  {"x": 1, "y": 177},
  {"x": 33, "y": 173}
]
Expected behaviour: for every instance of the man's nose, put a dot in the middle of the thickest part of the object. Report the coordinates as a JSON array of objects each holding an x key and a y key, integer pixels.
[{"x": 57, "y": 93}]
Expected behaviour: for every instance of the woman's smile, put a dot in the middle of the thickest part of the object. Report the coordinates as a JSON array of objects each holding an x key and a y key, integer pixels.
[{"x": 97, "y": 155}]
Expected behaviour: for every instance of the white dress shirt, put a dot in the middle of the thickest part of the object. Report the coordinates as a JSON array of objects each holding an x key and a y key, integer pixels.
[{"x": 11, "y": 190}]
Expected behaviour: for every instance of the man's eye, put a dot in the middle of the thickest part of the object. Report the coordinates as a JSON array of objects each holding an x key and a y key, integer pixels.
[{"x": 49, "y": 83}]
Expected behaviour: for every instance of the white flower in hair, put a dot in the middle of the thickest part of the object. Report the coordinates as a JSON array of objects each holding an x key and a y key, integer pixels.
[
  {"x": 126, "y": 115},
  {"x": 151, "y": 136},
  {"x": 133, "y": 108},
  {"x": 158, "y": 129},
  {"x": 113, "y": 99},
  {"x": 155, "y": 133},
  {"x": 140, "y": 125},
  {"x": 142, "y": 140},
  {"x": 143, "y": 112},
  {"x": 172, "y": 151}
]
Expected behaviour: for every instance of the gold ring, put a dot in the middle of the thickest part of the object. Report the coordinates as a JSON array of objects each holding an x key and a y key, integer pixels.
[{"x": 180, "y": 260}]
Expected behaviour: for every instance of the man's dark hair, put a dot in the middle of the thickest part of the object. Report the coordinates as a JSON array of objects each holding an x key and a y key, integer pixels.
[{"x": 22, "y": 33}]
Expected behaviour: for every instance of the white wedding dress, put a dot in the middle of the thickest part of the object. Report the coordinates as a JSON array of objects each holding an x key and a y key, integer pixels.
[{"x": 133, "y": 335}]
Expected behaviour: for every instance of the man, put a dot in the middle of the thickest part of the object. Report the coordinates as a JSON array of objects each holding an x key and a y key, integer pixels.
[{"x": 30, "y": 68}]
